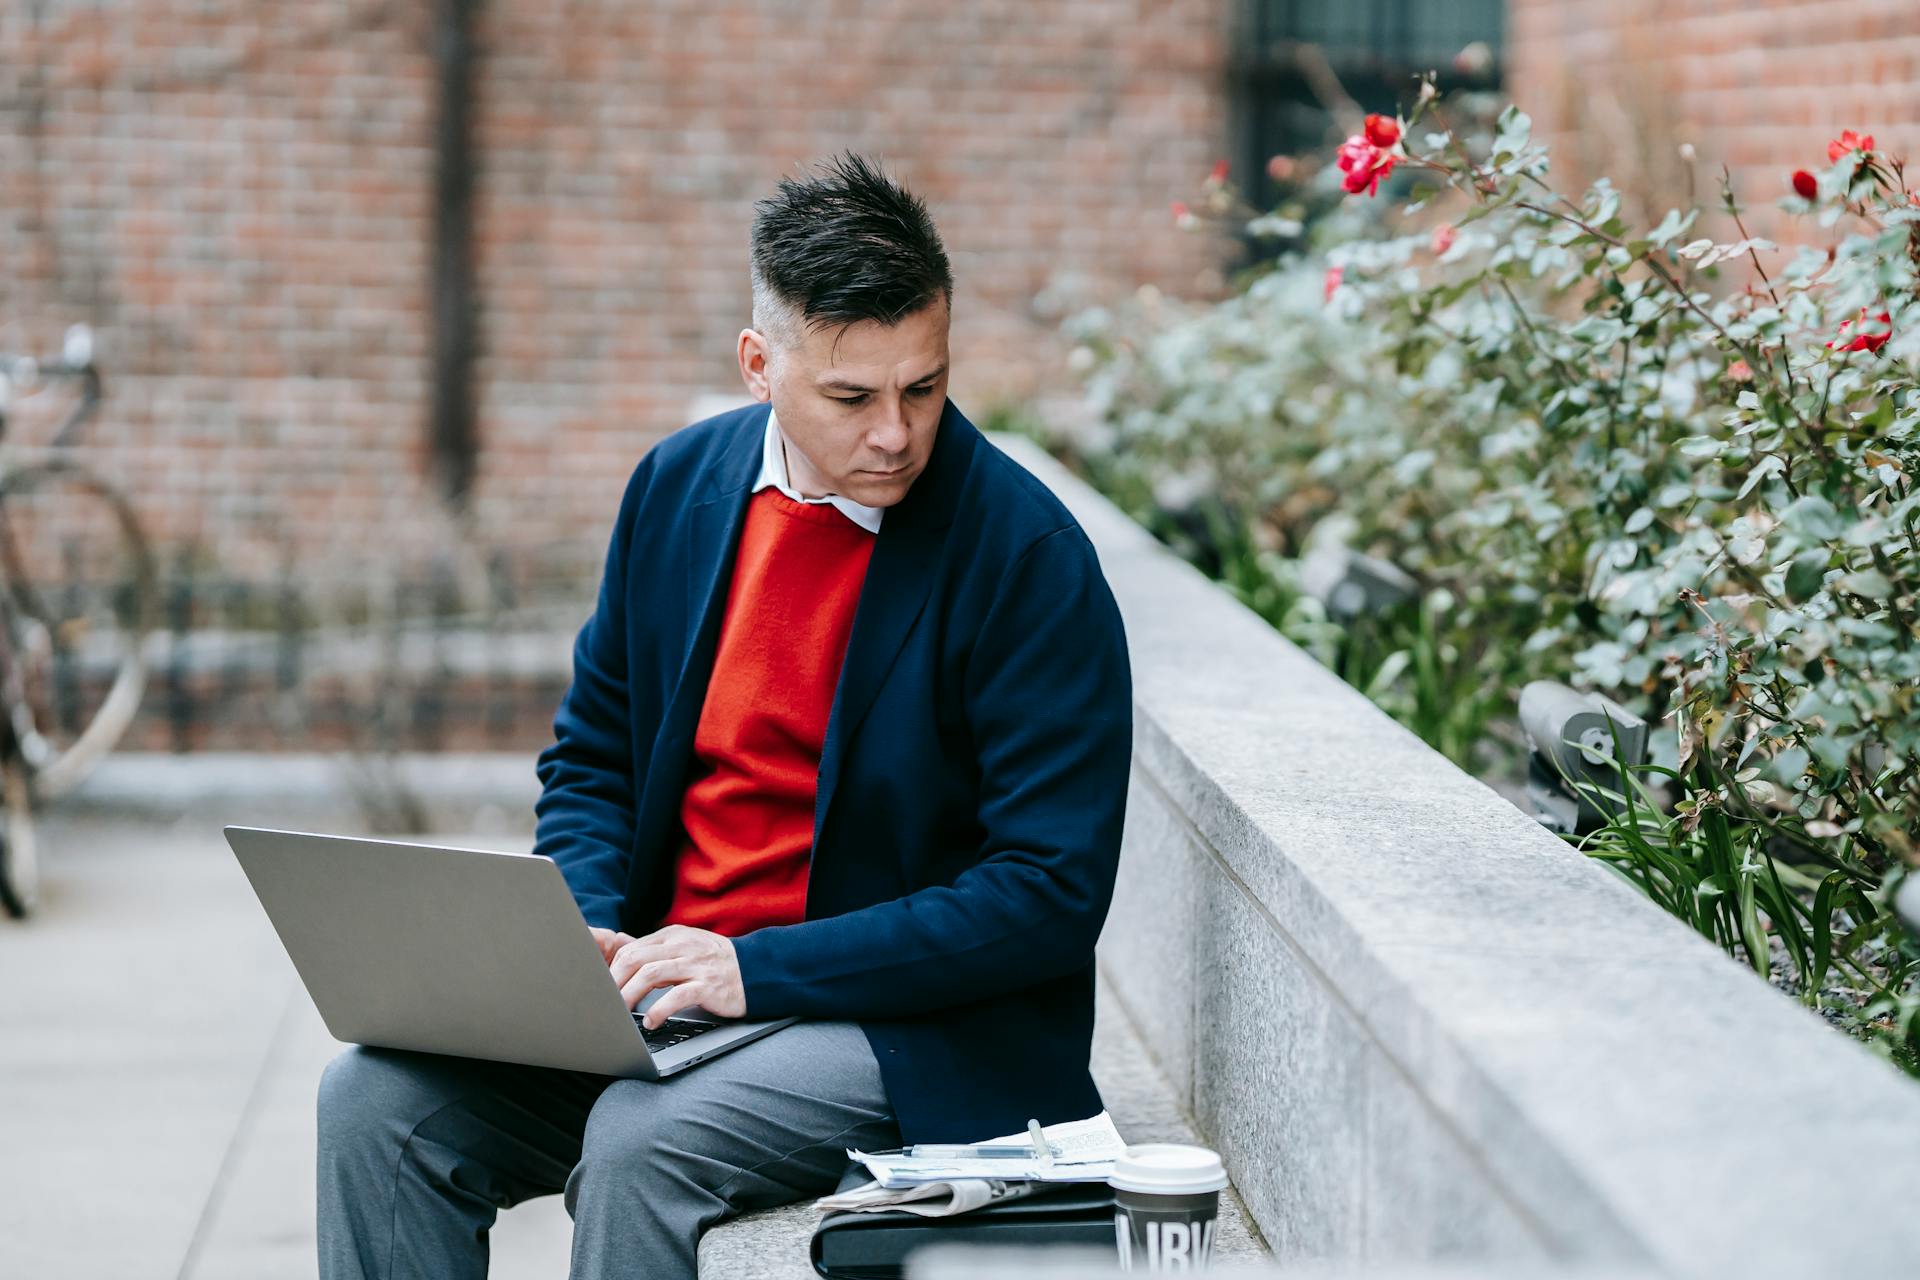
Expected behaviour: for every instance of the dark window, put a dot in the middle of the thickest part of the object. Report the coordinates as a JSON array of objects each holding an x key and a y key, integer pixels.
[{"x": 1374, "y": 49}]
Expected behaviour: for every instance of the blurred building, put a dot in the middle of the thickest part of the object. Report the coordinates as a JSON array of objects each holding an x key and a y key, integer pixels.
[
  {"x": 390, "y": 297},
  {"x": 1758, "y": 85},
  {"x": 345, "y": 256}
]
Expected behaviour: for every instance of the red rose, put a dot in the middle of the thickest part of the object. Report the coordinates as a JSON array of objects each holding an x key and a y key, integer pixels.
[
  {"x": 1332, "y": 282},
  {"x": 1382, "y": 131},
  {"x": 1848, "y": 141},
  {"x": 1364, "y": 164},
  {"x": 1805, "y": 185},
  {"x": 1219, "y": 173},
  {"x": 1862, "y": 340}
]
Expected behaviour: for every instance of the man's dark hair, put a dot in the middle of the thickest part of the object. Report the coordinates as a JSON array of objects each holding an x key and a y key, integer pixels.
[{"x": 846, "y": 246}]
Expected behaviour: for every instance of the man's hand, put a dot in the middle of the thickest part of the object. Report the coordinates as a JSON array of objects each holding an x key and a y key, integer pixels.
[
  {"x": 609, "y": 941},
  {"x": 698, "y": 965}
]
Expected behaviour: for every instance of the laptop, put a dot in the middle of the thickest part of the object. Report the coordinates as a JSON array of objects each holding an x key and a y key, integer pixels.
[{"x": 462, "y": 951}]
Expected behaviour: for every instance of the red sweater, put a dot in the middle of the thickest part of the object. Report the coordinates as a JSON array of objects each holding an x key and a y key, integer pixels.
[{"x": 748, "y": 807}]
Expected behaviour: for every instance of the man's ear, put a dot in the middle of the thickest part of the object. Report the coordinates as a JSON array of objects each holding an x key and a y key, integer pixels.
[{"x": 753, "y": 354}]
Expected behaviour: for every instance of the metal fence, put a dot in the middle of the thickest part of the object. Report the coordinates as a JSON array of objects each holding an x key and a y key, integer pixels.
[{"x": 459, "y": 652}]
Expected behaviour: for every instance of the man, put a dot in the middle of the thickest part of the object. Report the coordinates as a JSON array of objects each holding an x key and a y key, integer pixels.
[{"x": 847, "y": 739}]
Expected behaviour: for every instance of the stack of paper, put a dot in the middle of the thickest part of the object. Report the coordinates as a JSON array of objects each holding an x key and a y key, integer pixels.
[
  {"x": 928, "y": 1199},
  {"x": 937, "y": 1187}
]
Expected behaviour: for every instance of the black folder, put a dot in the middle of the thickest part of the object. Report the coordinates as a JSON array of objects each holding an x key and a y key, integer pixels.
[{"x": 874, "y": 1245}]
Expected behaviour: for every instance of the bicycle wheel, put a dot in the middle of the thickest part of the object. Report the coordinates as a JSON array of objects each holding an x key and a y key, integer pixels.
[
  {"x": 79, "y": 596},
  {"x": 19, "y": 854}
]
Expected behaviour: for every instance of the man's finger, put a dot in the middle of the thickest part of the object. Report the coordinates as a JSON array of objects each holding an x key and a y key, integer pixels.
[
  {"x": 645, "y": 979},
  {"x": 649, "y": 946},
  {"x": 683, "y": 996},
  {"x": 633, "y": 954}
]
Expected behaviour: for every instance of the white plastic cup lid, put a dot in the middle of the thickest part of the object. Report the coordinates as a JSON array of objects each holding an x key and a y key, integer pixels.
[{"x": 1168, "y": 1169}]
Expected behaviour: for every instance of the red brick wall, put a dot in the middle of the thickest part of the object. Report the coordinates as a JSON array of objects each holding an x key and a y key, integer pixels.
[
  {"x": 238, "y": 196},
  {"x": 1761, "y": 85}
]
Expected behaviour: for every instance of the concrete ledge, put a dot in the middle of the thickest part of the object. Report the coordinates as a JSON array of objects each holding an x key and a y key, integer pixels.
[
  {"x": 954, "y": 1262},
  {"x": 772, "y": 1244},
  {"x": 1417, "y": 1025}
]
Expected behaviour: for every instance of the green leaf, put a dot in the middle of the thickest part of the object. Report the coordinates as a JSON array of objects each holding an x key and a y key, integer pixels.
[
  {"x": 1672, "y": 226},
  {"x": 1806, "y": 573},
  {"x": 1515, "y": 129},
  {"x": 1598, "y": 330},
  {"x": 1772, "y": 464},
  {"x": 1813, "y": 517},
  {"x": 1869, "y": 583},
  {"x": 1824, "y": 904}
]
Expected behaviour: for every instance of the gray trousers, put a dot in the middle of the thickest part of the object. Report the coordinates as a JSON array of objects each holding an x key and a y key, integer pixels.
[{"x": 419, "y": 1152}]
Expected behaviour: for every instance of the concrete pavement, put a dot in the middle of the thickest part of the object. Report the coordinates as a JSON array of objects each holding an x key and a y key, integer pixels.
[{"x": 158, "y": 1061}]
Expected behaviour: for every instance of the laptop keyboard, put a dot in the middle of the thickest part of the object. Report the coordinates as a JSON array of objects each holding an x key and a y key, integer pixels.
[{"x": 673, "y": 1031}]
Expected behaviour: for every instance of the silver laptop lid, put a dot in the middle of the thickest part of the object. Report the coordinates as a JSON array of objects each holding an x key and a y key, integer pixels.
[{"x": 461, "y": 951}]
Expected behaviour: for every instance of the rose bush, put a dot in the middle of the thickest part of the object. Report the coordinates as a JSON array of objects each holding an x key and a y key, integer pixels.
[{"x": 1673, "y": 466}]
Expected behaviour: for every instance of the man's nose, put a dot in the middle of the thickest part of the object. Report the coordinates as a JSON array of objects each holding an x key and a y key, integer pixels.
[{"x": 891, "y": 435}]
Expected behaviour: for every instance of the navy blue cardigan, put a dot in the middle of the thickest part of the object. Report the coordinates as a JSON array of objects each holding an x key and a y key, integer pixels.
[{"x": 971, "y": 787}]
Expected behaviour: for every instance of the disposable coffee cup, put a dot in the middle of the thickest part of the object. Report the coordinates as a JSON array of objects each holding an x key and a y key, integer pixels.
[{"x": 1166, "y": 1201}]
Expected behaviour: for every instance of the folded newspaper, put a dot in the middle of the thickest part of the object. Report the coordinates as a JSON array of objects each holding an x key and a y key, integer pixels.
[{"x": 938, "y": 1187}]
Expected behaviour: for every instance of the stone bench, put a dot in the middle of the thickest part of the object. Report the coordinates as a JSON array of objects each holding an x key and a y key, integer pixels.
[
  {"x": 1418, "y": 1026},
  {"x": 772, "y": 1244}
]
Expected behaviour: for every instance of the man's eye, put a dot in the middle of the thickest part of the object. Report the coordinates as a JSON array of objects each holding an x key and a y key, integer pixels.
[{"x": 912, "y": 391}]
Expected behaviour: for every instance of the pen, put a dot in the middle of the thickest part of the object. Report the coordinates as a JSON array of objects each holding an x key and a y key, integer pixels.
[
  {"x": 1040, "y": 1149},
  {"x": 965, "y": 1151}
]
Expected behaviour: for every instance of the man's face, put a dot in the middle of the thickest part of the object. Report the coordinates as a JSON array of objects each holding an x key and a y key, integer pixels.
[{"x": 859, "y": 406}]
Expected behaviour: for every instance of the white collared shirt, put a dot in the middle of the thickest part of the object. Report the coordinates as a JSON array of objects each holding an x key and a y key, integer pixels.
[{"x": 773, "y": 471}]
